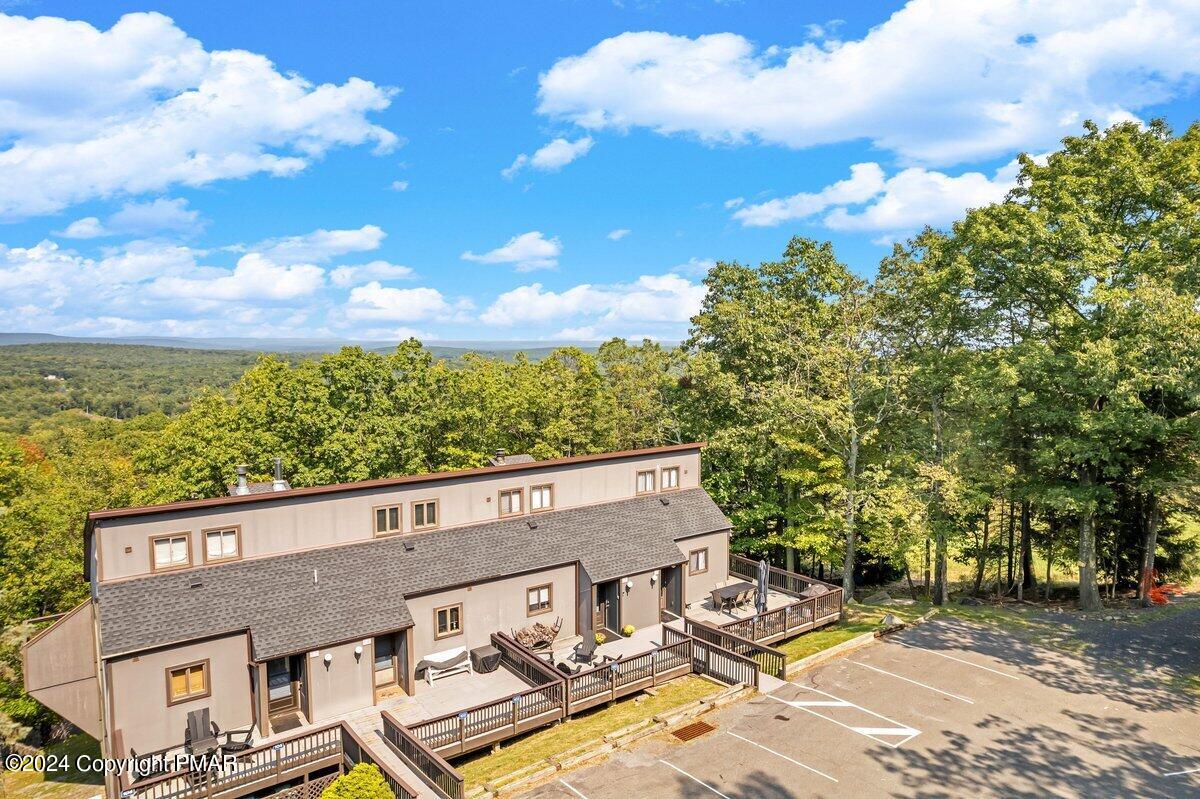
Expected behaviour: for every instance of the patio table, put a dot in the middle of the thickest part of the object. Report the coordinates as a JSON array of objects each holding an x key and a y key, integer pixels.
[
  {"x": 485, "y": 659},
  {"x": 729, "y": 593}
]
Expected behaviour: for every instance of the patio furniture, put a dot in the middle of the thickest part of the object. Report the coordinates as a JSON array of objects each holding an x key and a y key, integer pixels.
[
  {"x": 816, "y": 589},
  {"x": 143, "y": 767},
  {"x": 538, "y": 636},
  {"x": 585, "y": 650},
  {"x": 485, "y": 659},
  {"x": 443, "y": 664},
  {"x": 200, "y": 737},
  {"x": 567, "y": 670},
  {"x": 727, "y": 596},
  {"x": 235, "y": 740}
]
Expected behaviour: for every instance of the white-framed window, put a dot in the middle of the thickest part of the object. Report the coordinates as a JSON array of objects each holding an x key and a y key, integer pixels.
[
  {"x": 541, "y": 497},
  {"x": 512, "y": 502},
  {"x": 223, "y": 544},
  {"x": 645, "y": 482},
  {"x": 171, "y": 551},
  {"x": 538, "y": 599},
  {"x": 670, "y": 478}
]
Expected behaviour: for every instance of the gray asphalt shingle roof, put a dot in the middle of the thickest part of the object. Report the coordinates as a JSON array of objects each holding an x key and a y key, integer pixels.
[{"x": 359, "y": 588}]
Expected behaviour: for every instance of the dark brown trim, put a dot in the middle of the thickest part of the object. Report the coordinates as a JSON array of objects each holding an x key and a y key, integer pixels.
[
  {"x": 529, "y": 611},
  {"x": 205, "y": 669},
  {"x": 500, "y": 494},
  {"x": 386, "y": 482},
  {"x": 653, "y": 476},
  {"x": 548, "y": 507},
  {"x": 437, "y": 636},
  {"x": 689, "y": 562},
  {"x": 187, "y": 536},
  {"x": 237, "y": 531},
  {"x": 437, "y": 512},
  {"x": 399, "y": 506},
  {"x": 662, "y": 484}
]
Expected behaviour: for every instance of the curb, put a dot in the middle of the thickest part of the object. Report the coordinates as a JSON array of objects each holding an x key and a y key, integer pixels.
[
  {"x": 526, "y": 776},
  {"x": 845, "y": 647}
]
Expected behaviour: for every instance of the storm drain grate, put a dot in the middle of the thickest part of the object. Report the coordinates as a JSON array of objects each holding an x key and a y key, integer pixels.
[{"x": 693, "y": 730}]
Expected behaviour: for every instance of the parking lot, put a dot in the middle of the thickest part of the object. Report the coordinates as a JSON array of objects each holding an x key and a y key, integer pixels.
[{"x": 947, "y": 709}]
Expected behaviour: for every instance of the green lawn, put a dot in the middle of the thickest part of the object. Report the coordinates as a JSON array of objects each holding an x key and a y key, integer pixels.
[
  {"x": 858, "y": 619},
  {"x": 585, "y": 727},
  {"x": 68, "y": 784}
]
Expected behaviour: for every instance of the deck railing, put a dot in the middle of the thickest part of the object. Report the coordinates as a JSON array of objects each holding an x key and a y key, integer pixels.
[
  {"x": 610, "y": 681},
  {"x": 457, "y": 733},
  {"x": 525, "y": 664},
  {"x": 800, "y": 616},
  {"x": 770, "y": 661},
  {"x": 437, "y": 773},
  {"x": 713, "y": 661},
  {"x": 268, "y": 765}
]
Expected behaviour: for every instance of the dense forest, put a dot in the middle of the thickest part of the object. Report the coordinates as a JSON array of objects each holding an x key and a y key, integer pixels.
[{"x": 1022, "y": 388}]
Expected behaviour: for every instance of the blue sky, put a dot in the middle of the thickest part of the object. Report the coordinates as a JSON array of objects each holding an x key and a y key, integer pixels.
[{"x": 531, "y": 170}]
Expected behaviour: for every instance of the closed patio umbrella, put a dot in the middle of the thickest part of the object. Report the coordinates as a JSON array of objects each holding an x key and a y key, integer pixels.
[{"x": 760, "y": 598}]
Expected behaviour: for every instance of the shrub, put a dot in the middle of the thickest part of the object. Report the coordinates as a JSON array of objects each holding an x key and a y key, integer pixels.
[
  {"x": 628, "y": 630},
  {"x": 601, "y": 638},
  {"x": 364, "y": 781}
]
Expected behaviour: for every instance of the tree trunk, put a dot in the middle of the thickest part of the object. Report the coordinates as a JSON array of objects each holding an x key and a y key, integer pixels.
[
  {"x": 981, "y": 559},
  {"x": 941, "y": 587},
  {"x": 1012, "y": 531},
  {"x": 851, "y": 527},
  {"x": 1148, "y": 545},
  {"x": 1028, "y": 579},
  {"x": 1089, "y": 595},
  {"x": 912, "y": 589},
  {"x": 927, "y": 544}
]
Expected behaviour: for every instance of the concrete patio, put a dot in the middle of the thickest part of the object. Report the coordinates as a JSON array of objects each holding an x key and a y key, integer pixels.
[
  {"x": 706, "y": 612},
  {"x": 642, "y": 640}
]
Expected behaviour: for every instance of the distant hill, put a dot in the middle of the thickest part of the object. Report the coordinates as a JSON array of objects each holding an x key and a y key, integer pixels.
[{"x": 445, "y": 349}]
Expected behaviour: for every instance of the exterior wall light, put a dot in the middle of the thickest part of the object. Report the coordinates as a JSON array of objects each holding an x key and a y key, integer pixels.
[{"x": 328, "y": 658}]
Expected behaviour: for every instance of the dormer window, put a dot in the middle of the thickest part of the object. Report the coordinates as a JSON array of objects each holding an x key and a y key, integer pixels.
[
  {"x": 645, "y": 482},
  {"x": 425, "y": 514},
  {"x": 387, "y": 519},
  {"x": 541, "y": 498},
  {"x": 512, "y": 502},
  {"x": 670, "y": 478},
  {"x": 222, "y": 544}
]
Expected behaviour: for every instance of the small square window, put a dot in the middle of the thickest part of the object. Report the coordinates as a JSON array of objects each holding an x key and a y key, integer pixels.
[
  {"x": 387, "y": 519},
  {"x": 221, "y": 544},
  {"x": 425, "y": 514},
  {"x": 698, "y": 561},
  {"x": 187, "y": 682},
  {"x": 538, "y": 599},
  {"x": 171, "y": 551},
  {"x": 541, "y": 498},
  {"x": 448, "y": 621},
  {"x": 512, "y": 502},
  {"x": 670, "y": 478},
  {"x": 645, "y": 482}
]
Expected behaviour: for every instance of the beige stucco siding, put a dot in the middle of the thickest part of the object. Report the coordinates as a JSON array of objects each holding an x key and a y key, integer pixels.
[
  {"x": 344, "y": 684},
  {"x": 272, "y": 527},
  {"x": 138, "y": 686},
  {"x": 60, "y": 669},
  {"x": 490, "y": 607},
  {"x": 697, "y": 586},
  {"x": 639, "y": 601}
]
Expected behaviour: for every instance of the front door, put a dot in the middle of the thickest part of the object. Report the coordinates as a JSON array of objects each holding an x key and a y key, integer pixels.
[
  {"x": 283, "y": 683},
  {"x": 670, "y": 595},
  {"x": 608, "y": 606}
]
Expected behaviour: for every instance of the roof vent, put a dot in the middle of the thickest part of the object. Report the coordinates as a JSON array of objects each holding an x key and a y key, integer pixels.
[
  {"x": 243, "y": 487},
  {"x": 532, "y": 524},
  {"x": 498, "y": 460},
  {"x": 409, "y": 546},
  {"x": 664, "y": 500},
  {"x": 279, "y": 484},
  {"x": 195, "y": 582}
]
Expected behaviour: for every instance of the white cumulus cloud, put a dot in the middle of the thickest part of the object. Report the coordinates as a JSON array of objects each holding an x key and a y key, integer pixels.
[
  {"x": 528, "y": 251},
  {"x": 88, "y": 113},
  {"x": 377, "y": 302},
  {"x": 321, "y": 245},
  {"x": 939, "y": 82},
  {"x": 138, "y": 219},
  {"x": 346, "y": 276},
  {"x": 550, "y": 157},
  {"x": 618, "y": 234}
]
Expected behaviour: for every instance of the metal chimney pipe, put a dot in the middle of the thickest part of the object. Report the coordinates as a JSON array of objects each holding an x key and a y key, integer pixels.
[
  {"x": 243, "y": 487},
  {"x": 500, "y": 453},
  {"x": 279, "y": 484}
]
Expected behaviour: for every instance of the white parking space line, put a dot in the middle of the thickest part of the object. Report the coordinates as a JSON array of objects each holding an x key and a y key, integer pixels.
[
  {"x": 697, "y": 780},
  {"x": 572, "y": 789},
  {"x": 1179, "y": 773},
  {"x": 877, "y": 734},
  {"x": 914, "y": 682},
  {"x": 958, "y": 660},
  {"x": 780, "y": 754}
]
